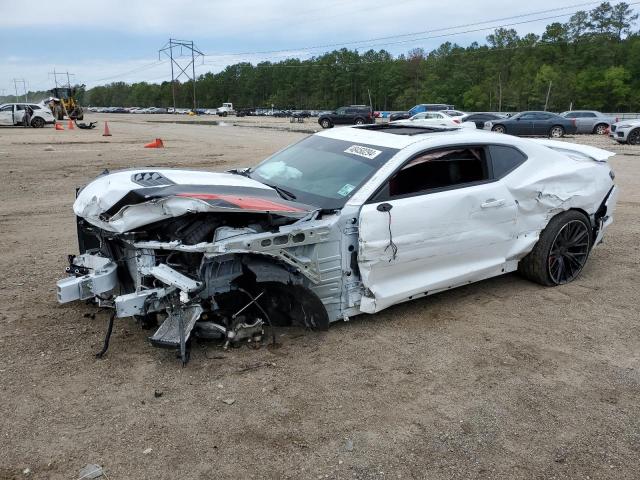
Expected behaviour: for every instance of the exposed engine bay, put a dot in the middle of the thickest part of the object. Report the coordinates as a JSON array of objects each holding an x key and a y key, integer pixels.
[{"x": 226, "y": 270}]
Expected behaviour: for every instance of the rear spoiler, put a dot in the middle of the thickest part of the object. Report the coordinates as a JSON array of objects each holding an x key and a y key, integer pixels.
[{"x": 597, "y": 154}]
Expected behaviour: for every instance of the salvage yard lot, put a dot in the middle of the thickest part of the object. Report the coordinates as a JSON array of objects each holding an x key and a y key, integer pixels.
[{"x": 499, "y": 379}]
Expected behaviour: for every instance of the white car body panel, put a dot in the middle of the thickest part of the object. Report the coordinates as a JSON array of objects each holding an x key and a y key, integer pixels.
[
  {"x": 443, "y": 239},
  {"x": 597, "y": 154},
  {"x": 105, "y": 191},
  {"x": 543, "y": 188}
]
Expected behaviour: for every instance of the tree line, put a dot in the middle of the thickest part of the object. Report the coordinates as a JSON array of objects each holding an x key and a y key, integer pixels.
[{"x": 590, "y": 61}]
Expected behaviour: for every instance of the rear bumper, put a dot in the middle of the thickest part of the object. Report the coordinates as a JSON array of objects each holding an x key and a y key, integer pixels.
[{"x": 606, "y": 218}]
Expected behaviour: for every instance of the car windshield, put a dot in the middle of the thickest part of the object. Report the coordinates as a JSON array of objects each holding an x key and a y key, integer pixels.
[{"x": 321, "y": 171}]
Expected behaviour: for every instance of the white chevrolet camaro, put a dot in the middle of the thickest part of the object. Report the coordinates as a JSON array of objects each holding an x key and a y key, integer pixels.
[{"x": 344, "y": 222}]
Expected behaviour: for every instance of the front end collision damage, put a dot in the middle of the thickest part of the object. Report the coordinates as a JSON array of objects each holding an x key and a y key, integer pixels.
[{"x": 227, "y": 286}]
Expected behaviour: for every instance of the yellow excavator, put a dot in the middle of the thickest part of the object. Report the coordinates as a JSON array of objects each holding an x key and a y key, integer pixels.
[{"x": 63, "y": 104}]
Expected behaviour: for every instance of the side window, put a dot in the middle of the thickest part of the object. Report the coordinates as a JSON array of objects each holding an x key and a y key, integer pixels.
[
  {"x": 7, "y": 108},
  {"x": 35, "y": 107},
  {"x": 588, "y": 115},
  {"x": 438, "y": 170},
  {"x": 19, "y": 107},
  {"x": 505, "y": 159},
  {"x": 341, "y": 111}
]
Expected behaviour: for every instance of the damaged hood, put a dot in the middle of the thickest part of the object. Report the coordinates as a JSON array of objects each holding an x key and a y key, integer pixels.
[{"x": 125, "y": 200}]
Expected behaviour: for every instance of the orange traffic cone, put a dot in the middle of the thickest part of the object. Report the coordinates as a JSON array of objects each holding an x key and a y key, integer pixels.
[
  {"x": 70, "y": 124},
  {"x": 157, "y": 143},
  {"x": 106, "y": 133},
  {"x": 58, "y": 126}
]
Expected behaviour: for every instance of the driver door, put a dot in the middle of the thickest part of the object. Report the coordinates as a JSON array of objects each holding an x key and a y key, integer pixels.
[
  {"x": 6, "y": 115},
  {"x": 340, "y": 117},
  {"x": 524, "y": 124},
  {"x": 439, "y": 222}
]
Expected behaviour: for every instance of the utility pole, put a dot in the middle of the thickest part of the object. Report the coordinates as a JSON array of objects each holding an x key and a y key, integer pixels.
[
  {"x": 184, "y": 70},
  {"x": 500, "y": 91},
  {"x": 546, "y": 102}
]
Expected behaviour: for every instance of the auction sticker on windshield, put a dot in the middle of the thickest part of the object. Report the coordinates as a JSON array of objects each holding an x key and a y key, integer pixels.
[
  {"x": 361, "y": 151},
  {"x": 346, "y": 190}
]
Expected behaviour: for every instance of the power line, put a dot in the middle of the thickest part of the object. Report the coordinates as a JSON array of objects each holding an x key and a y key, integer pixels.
[
  {"x": 390, "y": 37},
  {"x": 375, "y": 39},
  {"x": 466, "y": 51},
  {"x": 134, "y": 70}
]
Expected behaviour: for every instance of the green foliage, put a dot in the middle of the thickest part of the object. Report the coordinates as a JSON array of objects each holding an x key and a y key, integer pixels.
[{"x": 591, "y": 61}]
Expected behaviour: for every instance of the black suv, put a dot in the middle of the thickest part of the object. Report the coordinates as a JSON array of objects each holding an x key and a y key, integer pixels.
[{"x": 352, "y": 115}]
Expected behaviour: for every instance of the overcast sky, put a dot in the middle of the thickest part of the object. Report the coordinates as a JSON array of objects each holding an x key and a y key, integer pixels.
[{"x": 101, "y": 41}]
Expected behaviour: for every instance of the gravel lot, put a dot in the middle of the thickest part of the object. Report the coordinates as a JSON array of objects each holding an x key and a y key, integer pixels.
[{"x": 499, "y": 379}]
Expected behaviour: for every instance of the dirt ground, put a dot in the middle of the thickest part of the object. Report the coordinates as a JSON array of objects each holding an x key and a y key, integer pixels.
[{"x": 499, "y": 379}]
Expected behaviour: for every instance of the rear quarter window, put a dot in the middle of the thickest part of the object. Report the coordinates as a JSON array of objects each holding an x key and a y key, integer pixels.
[{"x": 505, "y": 159}]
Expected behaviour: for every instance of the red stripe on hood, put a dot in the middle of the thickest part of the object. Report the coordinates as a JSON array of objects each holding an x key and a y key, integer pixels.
[{"x": 246, "y": 203}]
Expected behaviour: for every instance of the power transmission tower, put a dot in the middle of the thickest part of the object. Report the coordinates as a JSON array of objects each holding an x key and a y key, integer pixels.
[
  {"x": 183, "y": 45},
  {"x": 55, "y": 78},
  {"x": 22, "y": 81}
]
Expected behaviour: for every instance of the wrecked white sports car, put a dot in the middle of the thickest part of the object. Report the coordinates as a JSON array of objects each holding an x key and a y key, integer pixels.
[{"x": 344, "y": 222}]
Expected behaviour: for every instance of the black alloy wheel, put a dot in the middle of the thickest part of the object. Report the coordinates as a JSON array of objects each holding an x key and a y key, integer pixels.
[{"x": 569, "y": 252}]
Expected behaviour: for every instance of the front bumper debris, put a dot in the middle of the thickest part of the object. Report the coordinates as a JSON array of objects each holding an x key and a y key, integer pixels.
[{"x": 91, "y": 275}]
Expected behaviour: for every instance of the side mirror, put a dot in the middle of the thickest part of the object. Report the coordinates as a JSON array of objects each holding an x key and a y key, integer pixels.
[
  {"x": 518, "y": 119},
  {"x": 384, "y": 207}
]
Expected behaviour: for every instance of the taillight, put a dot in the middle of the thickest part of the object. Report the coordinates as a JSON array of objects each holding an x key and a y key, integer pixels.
[
  {"x": 573, "y": 120},
  {"x": 456, "y": 120},
  {"x": 617, "y": 119}
]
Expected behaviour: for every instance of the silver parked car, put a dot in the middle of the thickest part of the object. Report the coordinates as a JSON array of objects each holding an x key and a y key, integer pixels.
[
  {"x": 590, "y": 121},
  {"x": 626, "y": 131}
]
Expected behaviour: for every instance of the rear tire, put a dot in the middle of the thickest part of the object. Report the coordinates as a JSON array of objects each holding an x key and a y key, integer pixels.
[
  {"x": 359, "y": 121},
  {"x": 634, "y": 137},
  {"x": 561, "y": 251},
  {"x": 556, "y": 131},
  {"x": 499, "y": 129},
  {"x": 37, "y": 122},
  {"x": 601, "y": 129},
  {"x": 325, "y": 123}
]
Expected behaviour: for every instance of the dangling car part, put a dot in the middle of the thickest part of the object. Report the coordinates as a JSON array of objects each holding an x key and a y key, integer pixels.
[{"x": 344, "y": 222}]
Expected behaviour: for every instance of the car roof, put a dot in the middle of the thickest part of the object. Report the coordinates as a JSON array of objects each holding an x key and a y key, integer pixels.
[{"x": 432, "y": 136}]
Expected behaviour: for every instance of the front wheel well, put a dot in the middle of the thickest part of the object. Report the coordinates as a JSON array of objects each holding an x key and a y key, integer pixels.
[{"x": 286, "y": 296}]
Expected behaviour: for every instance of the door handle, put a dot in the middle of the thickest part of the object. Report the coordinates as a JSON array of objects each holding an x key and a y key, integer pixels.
[{"x": 492, "y": 203}]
